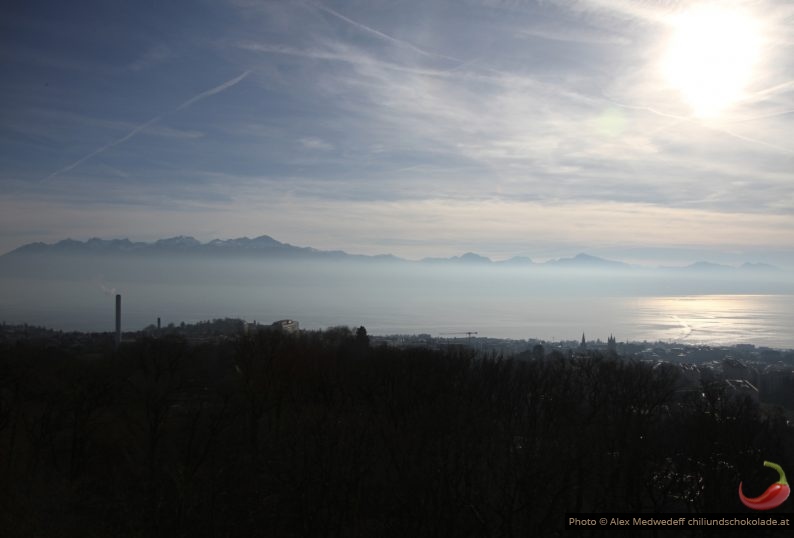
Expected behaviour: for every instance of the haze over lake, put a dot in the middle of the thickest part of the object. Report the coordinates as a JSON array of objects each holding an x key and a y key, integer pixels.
[
  {"x": 520, "y": 302},
  {"x": 518, "y": 169}
]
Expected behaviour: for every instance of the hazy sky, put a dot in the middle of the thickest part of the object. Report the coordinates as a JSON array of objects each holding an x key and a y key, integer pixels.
[{"x": 420, "y": 128}]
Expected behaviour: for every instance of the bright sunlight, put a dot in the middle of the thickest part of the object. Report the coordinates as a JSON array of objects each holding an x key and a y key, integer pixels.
[{"x": 711, "y": 56}]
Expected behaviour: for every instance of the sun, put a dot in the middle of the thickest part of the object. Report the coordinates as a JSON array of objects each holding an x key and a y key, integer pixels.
[{"x": 711, "y": 56}]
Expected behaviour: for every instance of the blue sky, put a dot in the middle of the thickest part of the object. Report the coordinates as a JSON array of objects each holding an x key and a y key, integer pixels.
[{"x": 423, "y": 128}]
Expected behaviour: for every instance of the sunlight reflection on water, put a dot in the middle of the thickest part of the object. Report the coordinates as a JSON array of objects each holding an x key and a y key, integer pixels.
[
  {"x": 759, "y": 319},
  {"x": 764, "y": 320}
]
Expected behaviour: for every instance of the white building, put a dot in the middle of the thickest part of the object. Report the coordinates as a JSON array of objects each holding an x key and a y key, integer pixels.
[{"x": 286, "y": 325}]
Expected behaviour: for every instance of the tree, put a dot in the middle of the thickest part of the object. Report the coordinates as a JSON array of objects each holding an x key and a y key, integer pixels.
[{"x": 361, "y": 336}]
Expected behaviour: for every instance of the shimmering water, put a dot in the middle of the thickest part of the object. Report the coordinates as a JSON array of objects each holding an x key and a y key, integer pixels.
[
  {"x": 402, "y": 308},
  {"x": 759, "y": 319},
  {"x": 766, "y": 320}
]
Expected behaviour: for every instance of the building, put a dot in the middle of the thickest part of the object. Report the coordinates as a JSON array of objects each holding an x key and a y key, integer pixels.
[
  {"x": 735, "y": 369},
  {"x": 612, "y": 345},
  {"x": 741, "y": 387},
  {"x": 286, "y": 325}
]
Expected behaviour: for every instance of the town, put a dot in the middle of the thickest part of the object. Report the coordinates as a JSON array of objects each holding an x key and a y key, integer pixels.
[{"x": 764, "y": 374}]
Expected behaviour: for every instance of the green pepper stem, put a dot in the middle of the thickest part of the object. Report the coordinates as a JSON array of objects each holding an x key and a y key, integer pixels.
[{"x": 779, "y": 469}]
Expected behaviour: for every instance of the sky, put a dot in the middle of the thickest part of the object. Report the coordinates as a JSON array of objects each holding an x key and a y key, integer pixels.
[{"x": 419, "y": 128}]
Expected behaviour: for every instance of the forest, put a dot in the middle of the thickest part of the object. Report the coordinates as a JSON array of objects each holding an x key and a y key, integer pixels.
[{"x": 320, "y": 434}]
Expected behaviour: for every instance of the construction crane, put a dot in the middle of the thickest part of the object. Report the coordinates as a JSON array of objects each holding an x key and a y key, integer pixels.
[{"x": 467, "y": 333}]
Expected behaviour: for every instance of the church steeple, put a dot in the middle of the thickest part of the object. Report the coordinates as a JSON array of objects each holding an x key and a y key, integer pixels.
[{"x": 584, "y": 343}]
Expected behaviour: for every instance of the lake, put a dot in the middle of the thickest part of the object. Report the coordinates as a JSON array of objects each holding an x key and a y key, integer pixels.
[{"x": 494, "y": 307}]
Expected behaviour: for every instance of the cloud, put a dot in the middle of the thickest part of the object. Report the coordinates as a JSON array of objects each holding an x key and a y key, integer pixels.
[
  {"x": 104, "y": 148},
  {"x": 58, "y": 125},
  {"x": 315, "y": 143},
  {"x": 337, "y": 51},
  {"x": 154, "y": 56},
  {"x": 507, "y": 133},
  {"x": 781, "y": 88},
  {"x": 369, "y": 113},
  {"x": 385, "y": 37},
  {"x": 653, "y": 11},
  {"x": 203, "y": 95},
  {"x": 574, "y": 35},
  {"x": 446, "y": 227},
  {"x": 217, "y": 89}
]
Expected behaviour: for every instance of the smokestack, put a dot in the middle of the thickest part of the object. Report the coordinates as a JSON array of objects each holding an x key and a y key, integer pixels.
[
  {"x": 118, "y": 320},
  {"x": 158, "y": 323}
]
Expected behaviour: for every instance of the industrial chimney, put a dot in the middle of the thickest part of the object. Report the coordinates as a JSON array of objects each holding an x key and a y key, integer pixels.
[{"x": 118, "y": 320}]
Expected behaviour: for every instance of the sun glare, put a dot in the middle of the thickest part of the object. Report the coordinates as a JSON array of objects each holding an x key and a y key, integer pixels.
[{"x": 711, "y": 56}]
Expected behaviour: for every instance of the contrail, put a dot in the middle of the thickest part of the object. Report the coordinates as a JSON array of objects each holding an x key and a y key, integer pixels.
[
  {"x": 765, "y": 117},
  {"x": 631, "y": 8},
  {"x": 104, "y": 148},
  {"x": 647, "y": 109},
  {"x": 383, "y": 36},
  {"x": 755, "y": 141},
  {"x": 692, "y": 119},
  {"x": 217, "y": 89},
  {"x": 779, "y": 88}
]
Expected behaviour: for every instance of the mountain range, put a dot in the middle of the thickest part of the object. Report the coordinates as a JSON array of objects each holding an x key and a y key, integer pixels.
[{"x": 265, "y": 247}]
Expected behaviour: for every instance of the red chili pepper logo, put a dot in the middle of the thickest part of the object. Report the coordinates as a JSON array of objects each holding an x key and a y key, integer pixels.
[{"x": 774, "y": 495}]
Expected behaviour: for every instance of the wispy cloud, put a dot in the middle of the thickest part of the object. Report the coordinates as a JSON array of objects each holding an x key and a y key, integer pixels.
[
  {"x": 203, "y": 95},
  {"x": 714, "y": 127},
  {"x": 381, "y": 35},
  {"x": 548, "y": 139},
  {"x": 58, "y": 125},
  {"x": 557, "y": 119},
  {"x": 316, "y": 143},
  {"x": 782, "y": 88},
  {"x": 287, "y": 50},
  {"x": 154, "y": 56},
  {"x": 217, "y": 89},
  {"x": 104, "y": 148},
  {"x": 654, "y": 11},
  {"x": 581, "y": 35}
]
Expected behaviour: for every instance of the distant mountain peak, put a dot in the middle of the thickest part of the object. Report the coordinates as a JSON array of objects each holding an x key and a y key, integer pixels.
[
  {"x": 468, "y": 257},
  {"x": 707, "y": 266},
  {"x": 755, "y": 266},
  {"x": 265, "y": 246},
  {"x": 185, "y": 245},
  {"x": 472, "y": 257},
  {"x": 266, "y": 240},
  {"x": 256, "y": 242},
  {"x": 179, "y": 240},
  {"x": 586, "y": 260},
  {"x": 518, "y": 260}
]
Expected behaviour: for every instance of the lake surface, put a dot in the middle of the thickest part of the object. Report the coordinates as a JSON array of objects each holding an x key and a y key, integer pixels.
[{"x": 399, "y": 306}]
